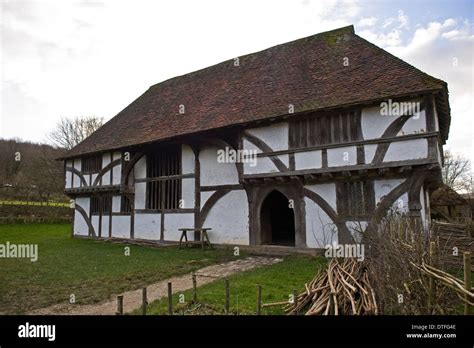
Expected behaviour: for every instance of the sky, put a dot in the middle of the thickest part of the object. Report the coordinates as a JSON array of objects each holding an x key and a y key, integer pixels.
[{"x": 69, "y": 58}]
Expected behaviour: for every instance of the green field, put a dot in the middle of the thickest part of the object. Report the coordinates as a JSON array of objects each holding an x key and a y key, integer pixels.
[
  {"x": 91, "y": 270},
  {"x": 278, "y": 282}
]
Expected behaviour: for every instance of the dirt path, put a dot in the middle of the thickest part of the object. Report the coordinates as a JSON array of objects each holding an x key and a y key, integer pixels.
[{"x": 133, "y": 299}]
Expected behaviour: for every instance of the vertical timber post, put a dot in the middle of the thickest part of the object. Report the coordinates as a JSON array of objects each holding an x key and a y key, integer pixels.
[
  {"x": 227, "y": 299},
  {"x": 170, "y": 299},
  {"x": 467, "y": 282},
  {"x": 119, "y": 305},
  {"x": 194, "y": 289},
  {"x": 144, "y": 301},
  {"x": 259, "y": 299}
]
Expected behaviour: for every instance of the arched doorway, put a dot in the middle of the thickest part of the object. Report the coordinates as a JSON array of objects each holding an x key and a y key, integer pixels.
[{"x": 277, "y": 220}]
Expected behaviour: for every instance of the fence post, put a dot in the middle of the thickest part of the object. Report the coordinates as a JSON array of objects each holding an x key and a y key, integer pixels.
[
  {"x": 431, "y": 294},
  {"x": 227, "y": 299},
  {"x": 119, "y": 305},
  {"x": 170, "y": 299},
  {"x": 295, "y": 301},
  {"x": 144, "y": 301},
  {"x": 194, "y": 289},
  {"x": 259, "y": 299},
  {"x": 467, "y": 281}
]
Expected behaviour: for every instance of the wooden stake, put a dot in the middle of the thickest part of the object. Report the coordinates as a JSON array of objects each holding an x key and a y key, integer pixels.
[
  {"x": 259, "y": 299},
  {"x": 227, "y": 297},
  {"x": 467, "y": 281},
  {"x": 431, "y": 294},
  {"x": 119, "y": 305},
  {"x": 295, "y": 301},
  {"x": 144, "y": 301},
  {"x": 194, "y": 289},
  {"x": 170, "y": 298}
]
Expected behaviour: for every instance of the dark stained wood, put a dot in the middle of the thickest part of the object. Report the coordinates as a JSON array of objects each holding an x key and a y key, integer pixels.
[
  {"x": 222, "y": 187},
  {"x": 324, "y": 158}
]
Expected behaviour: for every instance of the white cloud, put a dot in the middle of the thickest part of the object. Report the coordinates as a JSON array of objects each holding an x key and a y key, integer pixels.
[{"x": 367, "y": 22}]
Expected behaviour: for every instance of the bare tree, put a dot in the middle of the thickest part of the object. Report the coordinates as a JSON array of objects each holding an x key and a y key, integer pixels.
[
  {"x": 70, "y": 132},
  {"x": 457, "y": 172}
]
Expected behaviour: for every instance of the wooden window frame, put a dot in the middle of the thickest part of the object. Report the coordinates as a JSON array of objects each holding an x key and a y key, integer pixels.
[
  {"x": 327, "y": 128},
  {"x": 91, "y": 164},
  {"x": 101, "y": 205},
  {"x": 164, "y": 178}
]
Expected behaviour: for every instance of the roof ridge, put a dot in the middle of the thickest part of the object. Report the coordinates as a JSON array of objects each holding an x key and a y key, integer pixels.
[{"x": 349, "y": 29}]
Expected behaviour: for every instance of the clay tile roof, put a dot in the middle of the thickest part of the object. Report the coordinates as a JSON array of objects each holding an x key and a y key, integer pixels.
[
  {"x": 307, "y": 73},
  {"x": 445, "y": 195}
]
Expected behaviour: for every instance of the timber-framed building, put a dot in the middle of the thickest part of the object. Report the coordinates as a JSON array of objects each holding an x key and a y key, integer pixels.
[{"x": 334, "y": 130}]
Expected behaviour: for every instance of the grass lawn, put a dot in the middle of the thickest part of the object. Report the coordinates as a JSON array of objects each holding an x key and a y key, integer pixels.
[
  {"x": 91, "y": 270},
  {"x": 278, "y": 282}
]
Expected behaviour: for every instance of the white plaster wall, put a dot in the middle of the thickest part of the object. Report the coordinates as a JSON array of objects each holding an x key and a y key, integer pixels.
[
  {"x": 94, "y": 176},
  {"x": 120, "y": 227},
  {"x": 383, "y": 187},
  {"x": 68, "y": 175},
  {"x": 373, "y": 123},
  {"x": 205, "y": 196},
  {"x": 105, "y": 162},
  {"x": 116, "y": 200},
  {"x": 95, "y": 223},
  {"x": 77, "y": 165},
  {"x": 214, "y": 173},
  {"x": 436, "y": 118},
  {"x": 407, "y": 150},
  {"x": 415, "y": 124},
  {"x": 326, "y": 191},
  {"x": 248, "y": 146},
  {"x": 275, "y": 135},
  {"x": 80, "y": 225},
  {"x": 147, "y": 226},
  {"x": 139, "y": 170},
  {"x": 423, "y": 209},
  {"x": 173, "y": 222},
  {"x": 308, "y": 160},
  {"x": 370, "y": 152},
  {"x": 117, "y": 170},
  {"x": 187, "y": 192},
  {"x": 88, "y": 181},
  {"x": 342, "y": 156},
  {"x": 320, "y": 229},
  {"x": 140, "y": 195},
  {"x": 264, "y": 165},
  {"x": 187, "y": 160},
  {"x": 105, "y": 227},
  {"x": 229, "y": 219}
]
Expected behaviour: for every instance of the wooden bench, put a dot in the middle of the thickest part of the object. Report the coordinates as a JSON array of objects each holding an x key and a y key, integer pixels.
[{"x": 203, "y": 236}]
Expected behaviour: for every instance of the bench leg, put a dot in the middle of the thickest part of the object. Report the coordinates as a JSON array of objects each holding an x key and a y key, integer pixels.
[
  {"x": 181, "y": 239},
  {"x": 186, "y": 239},
  {"x": 208, "y": 241}
]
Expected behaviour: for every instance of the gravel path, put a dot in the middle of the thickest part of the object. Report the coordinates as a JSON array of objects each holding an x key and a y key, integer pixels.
[{"x": 133, "y": 299}]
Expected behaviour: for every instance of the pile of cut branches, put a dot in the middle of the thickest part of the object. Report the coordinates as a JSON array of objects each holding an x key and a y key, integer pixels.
[{"x": 342, "y": 289}]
